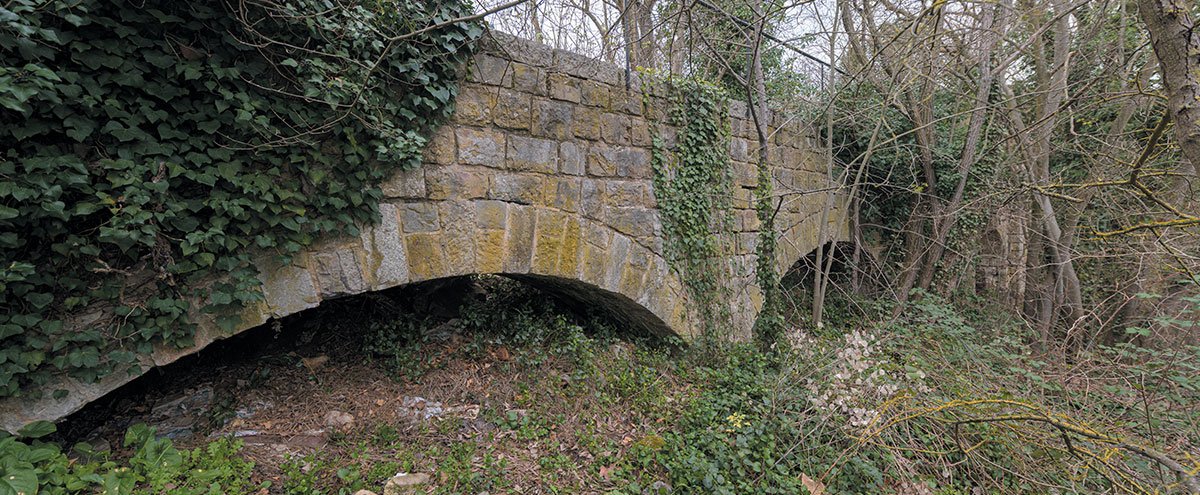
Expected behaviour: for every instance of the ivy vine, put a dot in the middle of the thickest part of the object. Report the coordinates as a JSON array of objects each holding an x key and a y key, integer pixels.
[
  {"x": 149, "y": 145},
  {"x": 769, "y": 325},
  {"x": 692, "y": 186}
]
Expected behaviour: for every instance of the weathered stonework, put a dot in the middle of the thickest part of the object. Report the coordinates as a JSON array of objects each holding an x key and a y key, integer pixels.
[{"x": 543, "y": 174}]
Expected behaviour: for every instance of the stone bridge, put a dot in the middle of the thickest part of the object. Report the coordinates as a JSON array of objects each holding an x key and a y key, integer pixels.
[{"x": 544, "y": 174}]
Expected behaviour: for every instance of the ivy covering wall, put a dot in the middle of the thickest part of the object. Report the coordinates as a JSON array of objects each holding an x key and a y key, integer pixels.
[
  {"x": 692, "y": 182},
  {"x": 145, "y": 146}
]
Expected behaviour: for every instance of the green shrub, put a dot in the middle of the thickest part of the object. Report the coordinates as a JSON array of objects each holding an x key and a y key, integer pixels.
[{"x": 28, "y": 465}]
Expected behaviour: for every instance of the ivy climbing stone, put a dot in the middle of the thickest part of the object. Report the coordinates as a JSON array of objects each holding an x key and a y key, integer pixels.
[
  {"x": 692, "y": 183},
  {"x": 149, "y": 146}
]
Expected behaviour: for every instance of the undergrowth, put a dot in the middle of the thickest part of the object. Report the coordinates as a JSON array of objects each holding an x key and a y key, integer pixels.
[{"x": 943, "y": 399}]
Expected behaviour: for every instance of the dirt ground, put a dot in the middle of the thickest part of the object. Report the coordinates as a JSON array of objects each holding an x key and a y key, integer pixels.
[{"x": 308, "y": 403}]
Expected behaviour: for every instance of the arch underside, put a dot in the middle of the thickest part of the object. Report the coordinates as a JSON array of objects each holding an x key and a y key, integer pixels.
[{"x": 573, "y": 257}]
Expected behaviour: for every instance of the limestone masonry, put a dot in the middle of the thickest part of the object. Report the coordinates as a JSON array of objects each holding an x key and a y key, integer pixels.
[{"x": 543, "y": 174}]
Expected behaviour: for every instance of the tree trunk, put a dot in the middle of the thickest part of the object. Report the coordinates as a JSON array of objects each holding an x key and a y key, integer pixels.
[
  {"x": 1176, "y": 40},
  {"x": 943, "y": 224}
]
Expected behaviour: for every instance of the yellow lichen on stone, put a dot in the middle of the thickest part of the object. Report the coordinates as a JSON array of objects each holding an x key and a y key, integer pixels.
[
  {"x": 425, "y": 258},
  {"x": 549, "y": 241},
  {"x": 489, "y": 255},
  {"x": 568, "y": 263}
]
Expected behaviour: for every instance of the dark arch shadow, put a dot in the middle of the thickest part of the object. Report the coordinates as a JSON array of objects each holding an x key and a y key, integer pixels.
[{"x": 437, "y": 302}]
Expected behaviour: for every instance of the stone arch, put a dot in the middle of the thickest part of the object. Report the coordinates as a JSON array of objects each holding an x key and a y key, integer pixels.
[
  {"x": 564, "y": 253},
  {"x": 567, "y": 252},
  {"x": 802, "y": 235}
]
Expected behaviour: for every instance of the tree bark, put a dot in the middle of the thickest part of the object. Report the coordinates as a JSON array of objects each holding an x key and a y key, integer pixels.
[
  {"x": 942, "y": 225},
  {"x": 1176, "y": 40}
]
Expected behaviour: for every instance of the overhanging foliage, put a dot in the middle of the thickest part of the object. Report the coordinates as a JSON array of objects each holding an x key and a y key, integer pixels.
[{"x": 149, "y": 145}]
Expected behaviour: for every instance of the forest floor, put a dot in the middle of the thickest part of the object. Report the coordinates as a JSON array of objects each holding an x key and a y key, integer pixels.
[{"x": 487, "y": 386}]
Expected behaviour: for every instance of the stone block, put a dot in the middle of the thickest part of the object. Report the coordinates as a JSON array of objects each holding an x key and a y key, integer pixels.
[
  {"x": 747, "y": 242},
  {"x": 337, "y": 272},
  {"x": 739, "y": 150},
  {"x": 639, "y": 132},
  {"x": 548, "y": 241},
  {"x": 564, "y": 87},
  {"x": 635, "y": 272},
  {"x": 386, "y": 264},
  {"x": 530, "y": 79},
  {"x": 592, "y": 197},
  {"x": 745, "y": 175},
  {"x": 748, "y": 220},
  {"x": 426, "y": 261},
  {"x": 480, "y": 147},
  {"x": 440, "y": 149},
  {"x": 522, "y": 50},
  {"x": 489, "y": 251},
  {"x": 406, "y": 184},
  {"x": 490, "y": 70},
  {"x": 738, "y": 110},
  {"x": 455, "y": 182},
  {"x": 742, "y": 198},
  {"x": 420, "y": 217},
  {"x": 473, "y": 105},
  {"x": 571, "y": 157},
  {"x": 563, "y": 193},
  {"x": 458, "y": 236},
  {"x": 572, "y": 242},
  {"x": 742, "y": 128},
  {"x": 587, "y": 123},
  {"x": 552, "y": 119},
  {"x": 518, "y": 241},
  {"x": 636, "y": 222},
  {"x": 669, "y": 136},
  {"x": 614, "y": 128},
  {"x": 517, "y": 188},
  {"x": 584, "y": 67},
  {"x": 597, "y": 235},
  {"x": 595, "y": 94},
  {"x": 514, "y": 110},
  {"x": 626, "y": 102},
  {"x": 618, "y": 161},
  {"x": 527, "y": 154},
  {"x": 618, "y": 253},
  {"x": 492, "y": 215},
  {"x": 592, "y": 266},
  {"x": 288, "y": 288},
  {"x": 656, "y": 273},
  {"x": 657, "y": 298},
  {"x": 627, "y": 193},
  {"x": 605, "y": 160}
]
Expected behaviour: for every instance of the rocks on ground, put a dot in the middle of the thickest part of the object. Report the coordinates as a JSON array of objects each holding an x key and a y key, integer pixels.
[
  {"x": 339, "y": 421},
  {"x": 405, "y": 483},
  {"x": 180, "y": 415}
]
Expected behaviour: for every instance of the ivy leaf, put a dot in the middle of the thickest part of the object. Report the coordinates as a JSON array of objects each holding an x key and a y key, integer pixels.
[
  {"x": 78, "y": 127},
  {"x": 205, "y": 259},
  {"x": 441, "y": 93},
  {"x": 39, "y": 299}
]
